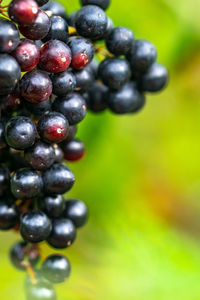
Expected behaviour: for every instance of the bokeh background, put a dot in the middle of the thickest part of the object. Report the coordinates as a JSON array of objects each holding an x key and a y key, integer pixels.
[{"x": 140, "y": 178}]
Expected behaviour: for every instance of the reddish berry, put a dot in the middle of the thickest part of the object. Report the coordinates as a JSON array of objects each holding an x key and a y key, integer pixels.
[
  {"x": 13, "y": 101},
  {"x": 55, "y": 56},
  {"x": 23, "y": 11},
  {"x": 27, "y": 55},
  {"x": 73, "y": 150},
  {"x": 53, "y": 127}
]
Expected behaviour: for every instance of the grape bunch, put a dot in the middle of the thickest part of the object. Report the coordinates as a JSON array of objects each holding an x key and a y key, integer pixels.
[{"x": 53, "y": 67}]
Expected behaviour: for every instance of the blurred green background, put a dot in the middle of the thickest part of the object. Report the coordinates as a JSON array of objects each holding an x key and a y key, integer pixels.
[{"x": 140, "y": 178}]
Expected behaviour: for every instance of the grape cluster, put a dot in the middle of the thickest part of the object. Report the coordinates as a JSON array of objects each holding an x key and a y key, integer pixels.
[{"x": 53, "y": 67}]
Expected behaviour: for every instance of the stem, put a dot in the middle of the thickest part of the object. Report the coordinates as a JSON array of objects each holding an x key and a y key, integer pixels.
[
  {"x": 72, "y": 30},
  {"x": 30, "y": 271}
]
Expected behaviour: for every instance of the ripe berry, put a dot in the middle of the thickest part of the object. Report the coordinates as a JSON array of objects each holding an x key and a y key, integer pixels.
[
  {"x": 126, "y": 100},
  {"x": 4, "y": 180},
  {"x": 20, "y": 251},
  {"x": 40, "y": 156},
  {"x": 155, "y": 79},
  {"x": 119, "y": 41},
  {"x": 82, "y": 52},
  {"x": 58, "y": 30},
  {"x": 27, "y": 55},
  {"x": 73, "y": 150},
  {"x": 71, "y": 133},
  {"x": 63, "y": 233},
  {"x": 55, "y": 9},
  {"x": 23, "y": 11},
  {"x": 36, "y": 86},
  {"x": 26, "y": 183},
  {"x": 9, "y": 36},
  {"x": 38, "y": 109},
  {"x": 38, "y": 29},
  {"x": 41, "y": 2},
  {"x": 2, "y": 135},
  {"x": 76, "y": 211},
  {"x": 91, "y": 22},
  {"x": 53, "y": 206},
  {"x": 13, "y": 101},
  {"x": 97, "y": 95},
  {"x": 72, "y": 106},
  {"x": 142, "y": 55},
  {"x": 56, "y": 268},
  {"x": 8, "y": 215},
  {"x": 63, "y": 83},
  {"x": 10, "y": 73},
  {"x": 114, "y": 72},
  {"x": 55, "y": 56},
  {"x": 58, "y": 154},
  {"x": 58, "y": 179},
  {"x": 102, "y": 3},
  {"x": 53, "y": 127},
  {"x": 35, "y": 226},
  {"x": 84, "y": 79},
  {"x": 20, "y": 133}
]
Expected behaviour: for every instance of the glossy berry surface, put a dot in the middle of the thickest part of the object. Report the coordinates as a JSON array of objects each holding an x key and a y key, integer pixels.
[
  {"x": 91, "y": 22},
  {"x": 40, "y": 291},
  {"x": 58, "y": 179},
  {"x": 26, "y": 183},
  {"x": 8, "y": 215},
  {"x": 58, "y": 29},
  {"x": 63, "y": 83},
  {"x": 20, "y": 132},
  {"x": 63, "y": 233},
  {"x": 97, "y": 96},
  {"x": 38, "y": 29},
  {"x": 10, "y": 73},
  {"x": 40, "y": 156},
  {"x": 36, "y": 86},
  {"x": 41, "y": 2},
  {"x": 84, "y": 79},
  {"x": 82, "y": 52},
  {"x": 38, "y": 109},
  {"x": 9, "y": 36},
  {"x": 53, "y": 127},
  {"x": 102, "y": 3},
  {"x": 114, "y": 72},
  {"x": 72, "y": 106},
  {"x": 58, "y": 154},
  {"x": 71, "y": 133},
  {"x": 55, "y": 9},
  {"x": 35, "y": 226},
  {"x": 73, "y": 150},
  {"x": 53, "y": 206},
  {"x": 23, "y": 11},
  {"x": 119, "y": 41},
  {"x": 76, "y": 211},
  {"x": 56, "y": 268},
  {"x": 4, "y": 180},
  {"x": 21, "y": 251},
  {"x": 155, "y": 79},
  {"x": 27, "y": 55}
]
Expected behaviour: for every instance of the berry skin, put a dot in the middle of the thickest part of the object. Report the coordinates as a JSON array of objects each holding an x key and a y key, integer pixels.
[
  {"x": 82, "y": 52},
  {"x": 41, "y": 2},
  {"x": 41, "y": 291},
  {"x": 36, "y": 86},
  {"x": 40, "y": 156},
  {"x": 55, "y": 56},
  {"x": 4, "y": 180},
  {"x": 53, "y": 206},
  {"x": 63, "y": 83},
  {"x": 96, "y": 100},
  {"x": 58, "y": 179},
  {"x": 71, "y": 133},
  {"x": 20, "y": 133},
  {"x": 38, "y": 29},
  {"x": 101, "y": 3},
  {"x": 53, "y": 127},
  {"x": 13, "y": 102},
  {"x": 155, "y": 79},
  {"x": 38, "y": 109},
  {"x": 58, "y": 154},
  {"x": 10, "y": 73},
  {"x": 91, "y": 22},
  {"x": 73, "y": 107},
  {"x": 63, "y": 233},
  {"x": 73, "y": 150},
  {"x": 2, "y": 135},
  {"x": 84, "y": 79},
  {"x": 8, "y": 215},
  {"x": 35, "y": 226},
  {"x": 58, "y": 30},
  {"x": 142, "y": 55},
  {"x": 19, "y": 252},
  {"x": 126, "y": 100},
  {"x": 26, "y": 183},
  {"x": 9, "y": 36},
  {"x": 23, "y": 11},
  {"x": 114, "y": 72},
  {"x": 56, "y": 268},
  {"x": 119, "y": 41},
  {"x": 76, "y": 211},
  {"x": 27, "y": 55},
  {"x": 55, "y": 9},
  {"x": 109, "y": 27}
]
